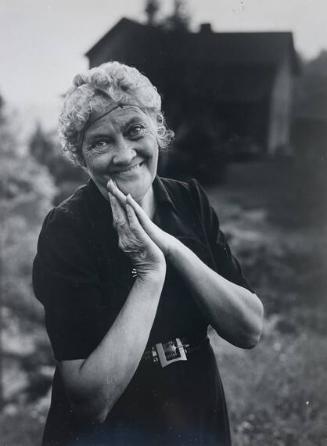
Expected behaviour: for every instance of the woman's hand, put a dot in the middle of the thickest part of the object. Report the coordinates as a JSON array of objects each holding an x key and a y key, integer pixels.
[
  {"x": 161, "y": 238},
  {"x": 146, "y": 256},
  {"x": 234, "y": 312}
]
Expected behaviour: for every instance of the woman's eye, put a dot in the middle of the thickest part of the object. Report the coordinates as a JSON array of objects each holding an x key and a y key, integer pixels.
[
  {"x": 98, "y": 145},
  {"x": 135, "y": 131}
]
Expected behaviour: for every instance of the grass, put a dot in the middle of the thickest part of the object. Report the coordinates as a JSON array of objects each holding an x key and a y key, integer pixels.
[{"x": 275, "y": 216}]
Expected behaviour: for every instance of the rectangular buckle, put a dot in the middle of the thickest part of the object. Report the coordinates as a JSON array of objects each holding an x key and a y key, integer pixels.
[{"x": 171, "y": 351}]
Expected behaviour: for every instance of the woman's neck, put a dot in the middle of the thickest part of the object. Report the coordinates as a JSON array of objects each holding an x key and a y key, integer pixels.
[{"x": 148, "y": 203}]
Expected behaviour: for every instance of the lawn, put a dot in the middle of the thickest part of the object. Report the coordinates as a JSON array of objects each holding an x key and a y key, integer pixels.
[{"x": 274, "y": 214}]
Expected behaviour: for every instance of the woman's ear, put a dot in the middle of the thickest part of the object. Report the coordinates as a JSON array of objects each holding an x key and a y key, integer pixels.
[{"x": 158, "y": 121}]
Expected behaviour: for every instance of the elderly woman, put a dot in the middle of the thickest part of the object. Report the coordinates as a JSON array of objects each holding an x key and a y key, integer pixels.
[{"x": 131, "y": 270}]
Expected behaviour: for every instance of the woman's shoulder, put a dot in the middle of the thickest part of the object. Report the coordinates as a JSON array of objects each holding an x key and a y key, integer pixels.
[
  {"x": 65, "y": 233},
  {"x": 72, "y": 210},
  {"x": 177, "y": 187},
  {"x": 189, "y": 190},
  {"x": 67, "y": 219},
  {"x": 73, "y": 205}
]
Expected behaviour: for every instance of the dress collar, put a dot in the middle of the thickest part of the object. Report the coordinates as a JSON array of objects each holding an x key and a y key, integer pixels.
[{"x": 161, "y": 193}]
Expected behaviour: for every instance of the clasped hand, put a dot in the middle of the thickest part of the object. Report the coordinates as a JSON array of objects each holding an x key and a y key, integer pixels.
[{"x": 141, "y": 239}]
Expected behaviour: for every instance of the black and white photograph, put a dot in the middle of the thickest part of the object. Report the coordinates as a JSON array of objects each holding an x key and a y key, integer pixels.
[{"x": 163, "y": 236}]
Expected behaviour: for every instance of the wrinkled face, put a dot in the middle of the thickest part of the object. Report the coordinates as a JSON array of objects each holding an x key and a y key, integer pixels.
[{"x": 122, "y": 146}]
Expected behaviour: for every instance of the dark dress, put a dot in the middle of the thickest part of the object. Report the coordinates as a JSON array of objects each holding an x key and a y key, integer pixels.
[{"x": 82, "y": 279}]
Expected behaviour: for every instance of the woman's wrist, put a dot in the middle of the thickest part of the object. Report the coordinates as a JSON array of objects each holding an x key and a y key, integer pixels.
[
  {"x": 150, "y": 285},
  {"x": 173, "y": 248},
  {"x": 154, "y": 275}
]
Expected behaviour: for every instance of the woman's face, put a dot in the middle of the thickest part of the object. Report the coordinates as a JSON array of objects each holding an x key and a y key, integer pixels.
[{"x": 122, "y": 146}]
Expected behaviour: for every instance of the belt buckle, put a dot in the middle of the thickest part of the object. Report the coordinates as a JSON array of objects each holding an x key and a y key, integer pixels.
[{"x": 171, "y": 351}]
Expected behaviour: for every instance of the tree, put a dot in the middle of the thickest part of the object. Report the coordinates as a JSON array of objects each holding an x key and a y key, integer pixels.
[
  {"x": 44, "y": 148},
  {"x": 26, "y": 193},
  {"x": 179, "y": 20},
  {"x": 151, "y": 9}
]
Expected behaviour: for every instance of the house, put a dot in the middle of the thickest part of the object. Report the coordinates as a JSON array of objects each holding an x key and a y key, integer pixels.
[{"x": 241, "y": 82}]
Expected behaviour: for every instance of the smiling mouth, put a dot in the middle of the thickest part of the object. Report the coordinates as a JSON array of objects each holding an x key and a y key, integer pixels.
[{"x": 129, "y": 169}]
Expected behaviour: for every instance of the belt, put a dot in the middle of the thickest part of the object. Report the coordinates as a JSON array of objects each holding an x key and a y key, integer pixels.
[{"x": 178, "y": 349}]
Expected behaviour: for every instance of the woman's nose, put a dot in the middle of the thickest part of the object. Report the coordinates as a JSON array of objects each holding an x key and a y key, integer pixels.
[{"x": 124, "y": 152}]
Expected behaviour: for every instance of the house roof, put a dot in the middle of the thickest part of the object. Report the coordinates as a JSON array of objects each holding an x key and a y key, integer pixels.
[
  {"x": 228, "y": 48},
  {"x": 217, "y": 67},
  {"x": 123, "y": 24}
]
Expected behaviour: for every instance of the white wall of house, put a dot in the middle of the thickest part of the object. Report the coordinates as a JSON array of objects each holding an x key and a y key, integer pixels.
[{"x": 280, "y": 109}]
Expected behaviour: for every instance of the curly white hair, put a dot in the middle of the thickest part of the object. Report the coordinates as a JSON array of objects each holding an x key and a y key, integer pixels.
[{"x": 91, "y": 93}]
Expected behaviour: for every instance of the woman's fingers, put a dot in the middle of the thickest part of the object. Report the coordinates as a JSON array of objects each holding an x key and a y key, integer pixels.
[
  {"x": 133, "y": 239},
  {"x": 141, "y": 214},
  {"x": 118, "y": 213},
  {"x": 134, "y": 224},
  {"x": 123, "y": 199},
  {"x": 113, "y": 188},
  {"x": 161, "y": 238},
  {"x": 144, "y": 223},
  {"x": 132, "y": 219},
  {"x": 125, "y": 221}
]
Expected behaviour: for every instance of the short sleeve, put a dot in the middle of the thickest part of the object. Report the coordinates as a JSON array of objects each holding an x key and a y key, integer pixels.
[
  {"x": 66, "y": 283},
  {"x": 224, "y": 262}
]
